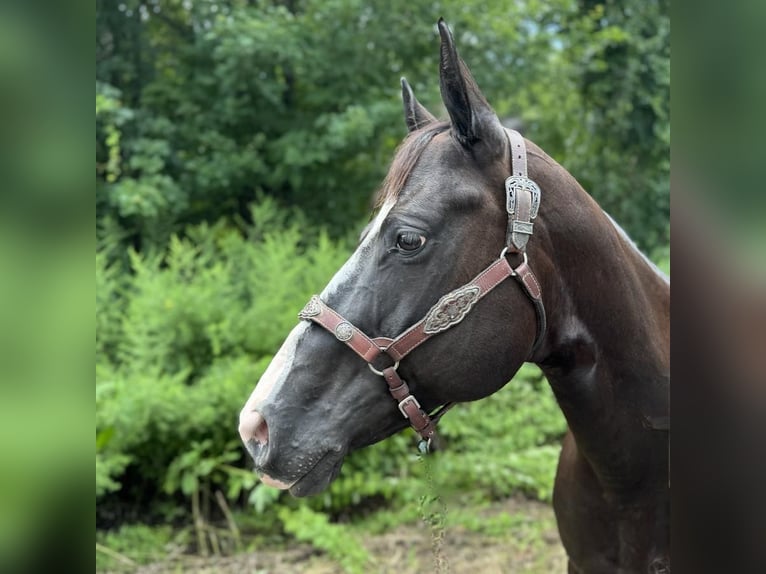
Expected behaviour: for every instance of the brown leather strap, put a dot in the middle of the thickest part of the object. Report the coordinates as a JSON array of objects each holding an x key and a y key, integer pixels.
[
  {"x": 408, "y": 404},
  {"x": 317, "y": 311},
  {"x": 518, "y": 153},
  {"x": 528, "y": 280},
  {"x": 450, "y": 309},
  {"x": 523, "y": 196}
]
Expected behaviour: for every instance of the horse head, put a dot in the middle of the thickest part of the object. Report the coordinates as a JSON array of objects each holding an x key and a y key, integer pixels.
[{"x": 441, "y": 219}]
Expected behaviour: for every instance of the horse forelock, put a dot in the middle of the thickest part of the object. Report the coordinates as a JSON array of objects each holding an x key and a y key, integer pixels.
[{"x": 405, "y": 159}]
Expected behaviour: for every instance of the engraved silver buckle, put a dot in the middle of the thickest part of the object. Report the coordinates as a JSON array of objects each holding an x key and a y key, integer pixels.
[
  {"x": 404, "y": 402},
  {"x": 516, "y": 183}
]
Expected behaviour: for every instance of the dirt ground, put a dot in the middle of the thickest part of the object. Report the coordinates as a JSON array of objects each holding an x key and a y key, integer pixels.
[{"x": 512, "y": 536}]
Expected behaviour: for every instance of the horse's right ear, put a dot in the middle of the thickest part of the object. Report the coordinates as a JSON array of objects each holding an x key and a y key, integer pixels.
[
  {"x": 415, "y": 114},
  {"x": 474, "y": 122}
]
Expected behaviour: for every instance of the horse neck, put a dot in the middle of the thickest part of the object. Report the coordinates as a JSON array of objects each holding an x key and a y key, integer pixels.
[{"x": 607, "y": 352}]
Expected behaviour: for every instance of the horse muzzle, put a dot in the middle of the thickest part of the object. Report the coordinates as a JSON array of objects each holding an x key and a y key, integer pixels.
[{"x": 303, "y": 472}]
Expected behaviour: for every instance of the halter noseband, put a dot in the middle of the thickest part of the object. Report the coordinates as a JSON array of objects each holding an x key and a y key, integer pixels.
[{"x": 522, "y": 204}]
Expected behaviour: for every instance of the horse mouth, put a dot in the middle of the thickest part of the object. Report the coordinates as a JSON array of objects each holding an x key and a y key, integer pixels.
[{"x": 317, "y": 479}]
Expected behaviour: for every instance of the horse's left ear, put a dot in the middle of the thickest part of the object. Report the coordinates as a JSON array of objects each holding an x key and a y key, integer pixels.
[
  {"x": 415, "y": 114},
  {"x": 474, "y": 122}
]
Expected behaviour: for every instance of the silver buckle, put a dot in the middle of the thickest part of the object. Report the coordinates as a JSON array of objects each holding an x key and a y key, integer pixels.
[
  {"x": 516, "y": 183},
  {"x": 404, "y": 402}
]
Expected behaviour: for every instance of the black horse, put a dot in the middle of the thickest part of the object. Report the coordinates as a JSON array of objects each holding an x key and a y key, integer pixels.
[{"x": 466, "y": 205}]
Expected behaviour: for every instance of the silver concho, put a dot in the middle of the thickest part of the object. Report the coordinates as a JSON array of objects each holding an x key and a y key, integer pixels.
[
  {"x": 344, "y": 331},
  {"x": 451, "y": 309},
  {"x": 312, "y": 308},
  {"x": 517, "y": 183}
]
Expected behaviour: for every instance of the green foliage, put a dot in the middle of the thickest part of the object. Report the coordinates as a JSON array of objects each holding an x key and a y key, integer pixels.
[
  {"x": 337, "y": 540},
  {"x": 200, "y": 106},
  {"x": 624, "y": 79},
  {"x": 131, "y": 545},
  {"x": 200, "y": 463},
  {"x": 183, "y": 337},
  {"x": 506, "y": 443}
]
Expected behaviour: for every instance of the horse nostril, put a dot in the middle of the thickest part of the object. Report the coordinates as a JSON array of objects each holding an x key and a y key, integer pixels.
[{"x": 252, "y": 426}]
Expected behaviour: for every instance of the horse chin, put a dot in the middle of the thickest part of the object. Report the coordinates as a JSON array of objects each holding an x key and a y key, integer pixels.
[{"x": 318, "y": 478}]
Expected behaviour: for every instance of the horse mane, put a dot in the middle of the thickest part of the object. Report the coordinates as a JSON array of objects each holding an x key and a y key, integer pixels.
[{"x": 406, "y": 157}]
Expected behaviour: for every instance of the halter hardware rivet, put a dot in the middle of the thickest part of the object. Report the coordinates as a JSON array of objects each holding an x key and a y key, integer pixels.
[
  {"x": 312, "y": 308},
  {"x": 344, "y": 331}
]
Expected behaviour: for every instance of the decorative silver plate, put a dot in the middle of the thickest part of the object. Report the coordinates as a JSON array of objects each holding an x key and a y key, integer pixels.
[
  {"x": 312, "y": 308},
  {"x": 451, "y": 309},
  {"x": 344, "y": 331},
  {"x": 517, "y": 183}
]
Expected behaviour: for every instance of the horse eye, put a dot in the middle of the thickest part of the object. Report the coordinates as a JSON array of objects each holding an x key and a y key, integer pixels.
[{"x": 409, "y": 241}]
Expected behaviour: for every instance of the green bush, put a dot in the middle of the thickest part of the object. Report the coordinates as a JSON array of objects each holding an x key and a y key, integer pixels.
[
  {"x": 199, "y": 105},
  {"x": 131, "y": 545},
  {"x": 182, "y": 338},
  {"x": 336, "y": 540}
]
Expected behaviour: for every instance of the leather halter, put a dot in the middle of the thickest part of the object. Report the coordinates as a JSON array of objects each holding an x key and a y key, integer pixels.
[{"x": 522, "y": 204}]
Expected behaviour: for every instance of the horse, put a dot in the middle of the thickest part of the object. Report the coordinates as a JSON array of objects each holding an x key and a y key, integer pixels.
[{"x": 484, "y": 253}]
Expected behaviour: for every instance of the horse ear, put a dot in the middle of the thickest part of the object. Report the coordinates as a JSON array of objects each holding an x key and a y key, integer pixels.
[
  {"x": 415, "y": 114},
  {"x": 473, "y": 119}
]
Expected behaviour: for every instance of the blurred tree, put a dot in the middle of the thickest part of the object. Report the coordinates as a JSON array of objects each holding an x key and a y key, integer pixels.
[
  {"x": 625, "y": 86},
  {"x": 203, "y": 105}
]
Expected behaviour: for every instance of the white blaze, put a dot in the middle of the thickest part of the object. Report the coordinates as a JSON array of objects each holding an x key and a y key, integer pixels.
[
  {"x": 271, "y": 382},
  {"x": 351, "y": 267}
]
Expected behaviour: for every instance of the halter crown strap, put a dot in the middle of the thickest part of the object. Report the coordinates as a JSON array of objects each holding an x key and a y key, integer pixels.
[
  {"x": 522, "y": 196},
  {"x": 522, "y": 204}
]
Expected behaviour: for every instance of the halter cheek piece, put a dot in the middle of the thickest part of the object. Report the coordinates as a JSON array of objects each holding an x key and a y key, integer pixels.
[{"x": 522, "y": 204}]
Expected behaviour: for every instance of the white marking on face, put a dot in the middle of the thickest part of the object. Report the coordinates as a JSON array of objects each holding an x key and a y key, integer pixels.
[
  {"x": 352, "y": 267},
  {"x": 630, "y": 242},
  {"x": 272, "y": 380},
  {"x": 275, "y": 376}
]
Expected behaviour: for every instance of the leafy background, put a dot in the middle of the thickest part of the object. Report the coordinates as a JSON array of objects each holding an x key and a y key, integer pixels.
[{"x": 239, "y": 141}]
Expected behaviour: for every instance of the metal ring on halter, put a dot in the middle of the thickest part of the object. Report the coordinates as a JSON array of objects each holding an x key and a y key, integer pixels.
[
  {"x": 377, "y": 372},
  {"x": 523, "y": 255}
]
